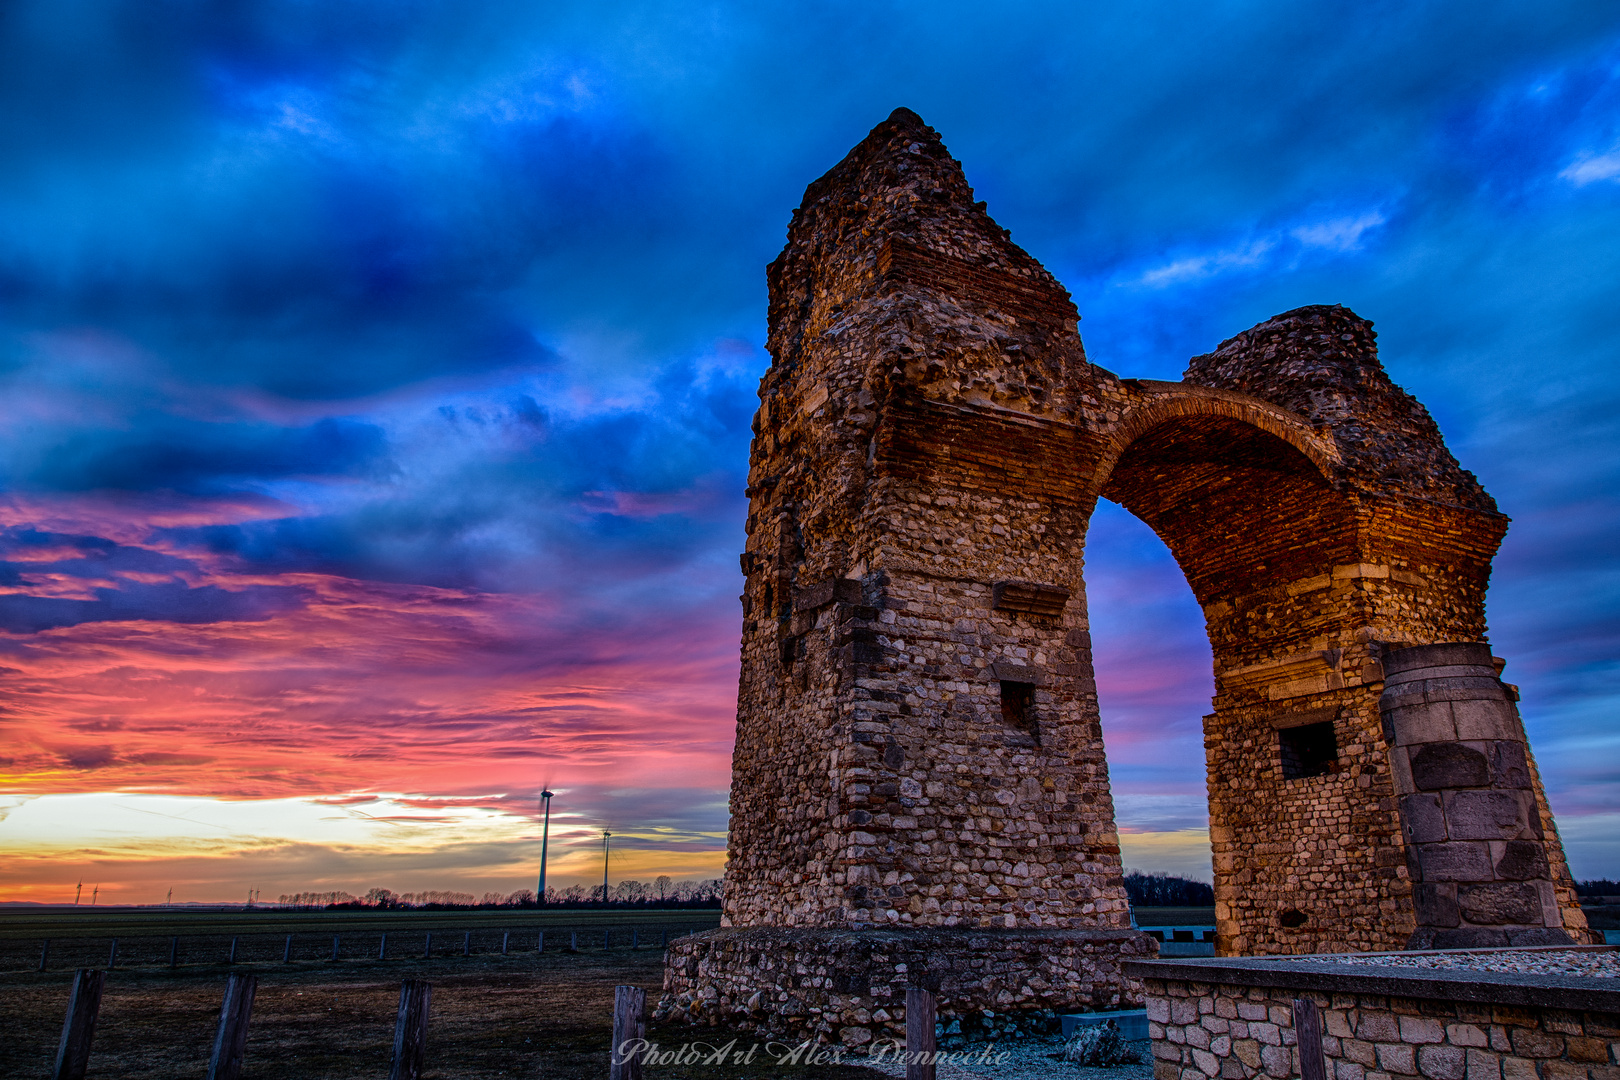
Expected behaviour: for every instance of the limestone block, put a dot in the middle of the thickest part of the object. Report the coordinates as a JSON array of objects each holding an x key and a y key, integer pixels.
[
  {"x": 1442, "y": 1062},
  {"x": 1423, "y": 819},
  {"x": 1484, "y": 815},
  {"x": 1437, "y": 766},
  {"x": 1453, "y": 861},
  {"x": 1498, "y": 903}
]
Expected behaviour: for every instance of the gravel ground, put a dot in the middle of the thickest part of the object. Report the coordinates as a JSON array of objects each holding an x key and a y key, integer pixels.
[
  {"x": 1600, "y": 965},
  {"x": 1028, "y": 1059}
]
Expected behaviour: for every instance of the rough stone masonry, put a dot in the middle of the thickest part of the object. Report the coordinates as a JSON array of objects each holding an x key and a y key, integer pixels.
[{"x": 918, "y": 746}]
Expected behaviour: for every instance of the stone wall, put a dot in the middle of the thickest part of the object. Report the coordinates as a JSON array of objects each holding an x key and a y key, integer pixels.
[
  {"x": 1238, "y": 1023},
  {"x": 849, "y": 986},
  {"x": 1476, "y": 824}
]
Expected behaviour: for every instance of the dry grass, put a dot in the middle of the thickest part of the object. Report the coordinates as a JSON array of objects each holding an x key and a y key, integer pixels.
[{"x": 492, "y": 1016}]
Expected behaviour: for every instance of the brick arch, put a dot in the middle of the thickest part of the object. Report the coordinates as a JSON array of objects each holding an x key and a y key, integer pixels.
[
  {"x": 1244, "y": 496},
  {"x": 1172, "y": 401},
  {"x": 1241, "y": 491}
]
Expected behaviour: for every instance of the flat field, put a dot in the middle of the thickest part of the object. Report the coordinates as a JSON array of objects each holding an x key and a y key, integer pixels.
[{"x": 520, "y": 1014}]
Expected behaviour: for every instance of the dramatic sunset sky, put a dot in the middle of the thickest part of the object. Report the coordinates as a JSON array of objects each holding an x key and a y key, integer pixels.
[{"x": 375, "y": 381}]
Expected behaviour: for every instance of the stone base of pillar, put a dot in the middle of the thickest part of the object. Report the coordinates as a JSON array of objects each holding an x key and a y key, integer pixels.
[{"x": 849, "y": 986}]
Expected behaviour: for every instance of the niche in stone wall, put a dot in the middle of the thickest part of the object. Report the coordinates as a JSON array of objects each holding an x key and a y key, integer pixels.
[
  {"x": 1308, "y": 750},
  {"x": 1018, "y": 708}
]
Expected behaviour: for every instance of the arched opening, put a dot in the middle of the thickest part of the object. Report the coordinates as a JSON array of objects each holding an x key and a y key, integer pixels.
[
  {"x": 1154, "y": 680},
  {"x": 1262, "y": 538}
]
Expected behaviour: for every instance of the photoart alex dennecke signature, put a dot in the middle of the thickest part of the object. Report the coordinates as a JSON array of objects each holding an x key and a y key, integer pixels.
[{"x": 805, "y": 1053}]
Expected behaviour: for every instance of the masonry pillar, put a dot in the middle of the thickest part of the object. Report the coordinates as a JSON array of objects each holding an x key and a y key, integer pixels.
[{"x": 1470, "y": 803}]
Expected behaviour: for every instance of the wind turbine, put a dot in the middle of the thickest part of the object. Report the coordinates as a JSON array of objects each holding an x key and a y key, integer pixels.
[
  {"x": 607, "y": 839},
  {"x": 77, "y": 889},
  {"x": 545, "y": 837}
]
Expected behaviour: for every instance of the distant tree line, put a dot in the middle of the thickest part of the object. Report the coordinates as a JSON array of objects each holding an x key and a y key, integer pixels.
[
  {"x": 661, "y": 892},
  {"x": 1598, "y": 887},
  {"x": 1165, "y": 890}
]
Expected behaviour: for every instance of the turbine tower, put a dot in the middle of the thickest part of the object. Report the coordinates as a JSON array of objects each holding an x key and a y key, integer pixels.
[{"x": 545, "y": 837}]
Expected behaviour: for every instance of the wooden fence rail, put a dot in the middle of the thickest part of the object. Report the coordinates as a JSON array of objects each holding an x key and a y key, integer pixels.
[{"x": 176, "y": 951}]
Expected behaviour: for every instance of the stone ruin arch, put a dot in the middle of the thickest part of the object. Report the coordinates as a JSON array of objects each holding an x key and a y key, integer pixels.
[{"x": 919, "y": 786}]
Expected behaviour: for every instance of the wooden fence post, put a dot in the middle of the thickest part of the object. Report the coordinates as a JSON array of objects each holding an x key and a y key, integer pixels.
[
  {"x": 540, "y": 944},
  {"x": 73, "y": 1055},
  {"x": 635, "y": 939},
  {"x": 427, "y": 950},
  {"x": 230, "y": 1042},
  {"x": 919, "y": 1033},
  {"x": 466, "y": 944},
  {"x": 174, "y": 952},
  {"x": 505, "y": 937},
  {"x": 334, "y": 947},
  {"x": 286, "y": 954},
  {"x": 573, "y": 941},
  {"x": 629, "y": 1030},
  {"x": 232, "y": 958},
  {"x": 382, "y": 948},
  {"x": 1308, "y": 1034},
  {"x": 112, "y": 957},
  {"x": 410, "y": 1033},
  {"x": 44, "y": 952}
]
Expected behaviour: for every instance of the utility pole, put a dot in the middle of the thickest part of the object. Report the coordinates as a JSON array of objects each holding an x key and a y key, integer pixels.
[
  {"x": 607, "y": 838},
  {"x": 545, "y": 837}
]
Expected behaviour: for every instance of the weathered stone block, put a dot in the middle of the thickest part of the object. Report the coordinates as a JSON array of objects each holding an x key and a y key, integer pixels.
[
  {"x": 1530, "y": 1043},
  {"x": 1486, "y": 718},
  {"x": 1421, "y": 1029},
  {"x": 1422, "y": 722},
  {"x": 1438, "y": 766},
  {"x": 1583, "y": 1048},
  {"x": 1523, "y": 860},
  {"x": 1453, "y": 861},
  {"x": 1277, "y": 1061},
  {"x": 1483, "y": 1065},
  {"x": 1435, "y": 904},
  {"x": 1497, "y": 903},
  {"x": 1397, "y": 1058},
  {"x": 1510, "y": 768},
  {"x": 1423, "y": 819},
  {"x": 1443, "y": 1062},
  {"x": 1484, "y": 815}
]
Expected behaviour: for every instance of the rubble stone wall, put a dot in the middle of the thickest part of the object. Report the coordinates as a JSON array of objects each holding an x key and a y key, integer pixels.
[
  {"x": 849, "y": 986},
  {"x": 1201, "y": 1031}
]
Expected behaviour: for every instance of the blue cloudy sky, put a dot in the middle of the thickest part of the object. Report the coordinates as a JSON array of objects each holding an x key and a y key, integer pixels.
[{"x": 377, "y": 380}]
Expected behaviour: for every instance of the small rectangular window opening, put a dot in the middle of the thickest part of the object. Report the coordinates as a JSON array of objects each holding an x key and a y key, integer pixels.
[
  {"x": 1308, "y": 750},
  {"x": 1018, "y": 705}
]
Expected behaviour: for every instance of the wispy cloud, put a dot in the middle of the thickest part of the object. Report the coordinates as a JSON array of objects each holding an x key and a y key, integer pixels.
[{"x": 1589, "y": 168}]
